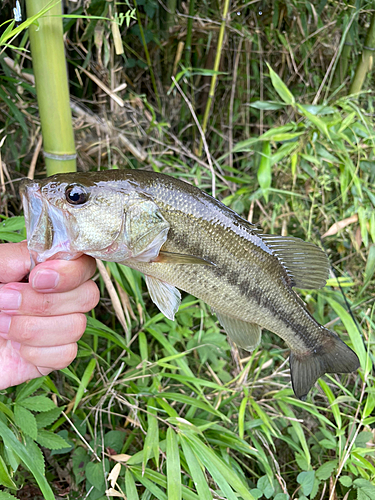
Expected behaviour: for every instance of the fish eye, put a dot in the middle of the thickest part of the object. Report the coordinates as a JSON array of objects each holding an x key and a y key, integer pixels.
[{"x": 76, "y": 194}]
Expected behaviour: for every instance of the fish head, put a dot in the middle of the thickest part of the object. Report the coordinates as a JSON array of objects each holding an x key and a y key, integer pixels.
[{"x": 68, "y": 215}]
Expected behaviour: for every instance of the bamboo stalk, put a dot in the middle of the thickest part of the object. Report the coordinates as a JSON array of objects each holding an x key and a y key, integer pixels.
[
  {"x": 365, "y": 62},
  {"x": 148, "y": 58},
  {"x": 189, "y": 36},
  {"x": 216, "y": 68},
  {"x": 342, "y": 65},
  {"x": 48, "y": 56}
]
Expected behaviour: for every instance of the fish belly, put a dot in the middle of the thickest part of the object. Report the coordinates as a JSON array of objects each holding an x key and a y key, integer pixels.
[{"x": 247, "y": 300}]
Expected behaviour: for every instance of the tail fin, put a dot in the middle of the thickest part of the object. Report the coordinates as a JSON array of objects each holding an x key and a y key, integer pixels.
[{"x": 332, "y": 356}]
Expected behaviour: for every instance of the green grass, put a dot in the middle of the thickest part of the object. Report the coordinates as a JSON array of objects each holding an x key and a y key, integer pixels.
[{"x": 185, "y": 414}]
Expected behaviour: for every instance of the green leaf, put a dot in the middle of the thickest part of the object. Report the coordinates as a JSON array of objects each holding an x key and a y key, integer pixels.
[
  {"x": 51, "y": 440},
  {"x": 306, "y": 480},
  {"x": 366, "y": 486},
  {"x": 281, "y": 88},
  {"x": 319, "y": 124},
  {"x": 12, "y": 224},
  {"x": 196, "y": 472},
  {"x": 264, "y": 485},
  {"x": 151, "y": 446},
  {"x": 115, "y": 440},
  {"x": 173, "y": 466},
  {"x": 346, "y": 481},
  {"x": 48, "y": 417},
  {"x": 11, "y": 237},
  {"x": 25, "y": 421},
  {"x": 370, "y": 266},
  {"x": 351, "y": 328},
  {"x": 38, "y": 403},
  {"x": 267, "y": 105},
  {"x": 7, "y": 100},
  {"x": 95, "y": 475},
  {"x": 28, "y": 388},
  {"x": 149, "y": 485},
  {"x": 223, "y": 475},
  {"x": 84, "y": 382},
  {"x": 35, "y": 454},
  {"x": 6, "y": 496},
  {"x": 265, "y": 170},
  {"x": 5, "y": 478},
  {"x": 288, "y": 412},
  {"x": 324, "y": 472},
  {"x": 79, "y": 461},
  {"x": 130, "y": 487}
]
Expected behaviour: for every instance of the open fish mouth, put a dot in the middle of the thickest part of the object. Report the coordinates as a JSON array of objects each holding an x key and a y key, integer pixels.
[{"x": 46, "y": 228}]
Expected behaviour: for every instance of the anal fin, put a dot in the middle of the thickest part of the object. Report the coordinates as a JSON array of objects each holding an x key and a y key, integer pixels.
[
  {"x": 244, "y": 334},
  {"x": 166, "y": 297}
]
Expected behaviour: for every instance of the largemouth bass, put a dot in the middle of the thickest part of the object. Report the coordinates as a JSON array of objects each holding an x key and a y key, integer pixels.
[{"x": 182, "y": 238}]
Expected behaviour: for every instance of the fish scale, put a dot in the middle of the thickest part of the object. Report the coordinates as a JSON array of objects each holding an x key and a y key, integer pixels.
[{"x": 182, "y": 238}]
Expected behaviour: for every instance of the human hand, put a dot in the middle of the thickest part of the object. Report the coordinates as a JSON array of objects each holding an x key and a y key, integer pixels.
[{"x": 41, "y": 321}]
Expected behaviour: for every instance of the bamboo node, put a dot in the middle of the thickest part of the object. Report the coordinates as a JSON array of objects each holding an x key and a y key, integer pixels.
[{"x": 60, "y": 157}]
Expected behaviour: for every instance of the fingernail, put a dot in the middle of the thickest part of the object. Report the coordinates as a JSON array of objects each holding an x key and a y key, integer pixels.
[
  {"x": 10, "y": 299},
  {"x": 46, "y": 279},
  {"x": 4, "y": 325}
]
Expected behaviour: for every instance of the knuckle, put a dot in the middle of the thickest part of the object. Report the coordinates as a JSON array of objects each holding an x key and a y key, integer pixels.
[
  {"x": 44, "y": 304},
  {"x": 90, "y": 296},
  {"x": 26, "y": 329},
  {"x": 70, "y": 354},
  {"x": 79, "y": 326}
]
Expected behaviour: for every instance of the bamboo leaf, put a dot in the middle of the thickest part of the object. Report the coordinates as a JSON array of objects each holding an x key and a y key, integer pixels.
[
  {"x": 151, "y": 446},
  {"x": 196, "y": 471},
  {"x": 130, "y": 487},
  {"x": 264, "y": 170},
  {"x": 173, "y": 466},
  {"x": 332, "y": 401},
  {"x": 319, "y": 124},
  {"x": 222, "y": 474},
  {"x": 5, "y": 478},
  {"x": 149, "y": 485},
  {"x": 84, "y": 382},
  {"x": 288, "y": 412},
  {"x": 281, "y": 88},
  {"x": 351, "y": 328}
]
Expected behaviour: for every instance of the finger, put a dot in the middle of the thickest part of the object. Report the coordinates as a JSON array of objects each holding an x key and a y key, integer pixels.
[
  {"x": 62, "y": 275},
  {"x": 42, "y": 332},
  {"x": 14, "y": 261},
  {"x": 21, "y": 299},
  {"x": 47, "y": 359}
]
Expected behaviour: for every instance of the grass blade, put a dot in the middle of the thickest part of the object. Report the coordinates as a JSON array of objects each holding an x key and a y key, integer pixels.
[{"x": 173, "y": 466}]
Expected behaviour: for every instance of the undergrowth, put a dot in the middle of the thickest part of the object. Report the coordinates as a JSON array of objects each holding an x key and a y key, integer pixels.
[{"x": 158, "y": 409}]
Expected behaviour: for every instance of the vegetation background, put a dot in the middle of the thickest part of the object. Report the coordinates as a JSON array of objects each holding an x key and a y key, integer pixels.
[{"x": 269, "y": 106}]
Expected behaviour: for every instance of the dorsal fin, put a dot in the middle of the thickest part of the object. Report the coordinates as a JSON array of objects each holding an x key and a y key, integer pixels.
[{"x": 306, "y": 264}]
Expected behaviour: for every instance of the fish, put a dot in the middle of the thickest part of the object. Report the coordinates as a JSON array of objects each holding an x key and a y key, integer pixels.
[{"x": 181, "y": 238}]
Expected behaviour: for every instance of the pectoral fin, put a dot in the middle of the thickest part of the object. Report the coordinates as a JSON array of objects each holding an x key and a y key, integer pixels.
[
  {"x": 166, "y": 297},
  {"x": 244, "y": 334},
  {"x": 180, "y": 258}
]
